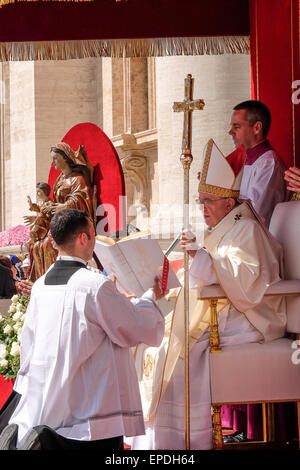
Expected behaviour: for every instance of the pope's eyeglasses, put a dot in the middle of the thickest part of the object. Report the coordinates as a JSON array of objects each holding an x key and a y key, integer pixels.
[{"x": 207, "y": 202}]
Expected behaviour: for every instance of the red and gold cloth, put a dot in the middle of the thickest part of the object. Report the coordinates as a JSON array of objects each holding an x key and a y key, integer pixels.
[{"x": 275, "y": 66}]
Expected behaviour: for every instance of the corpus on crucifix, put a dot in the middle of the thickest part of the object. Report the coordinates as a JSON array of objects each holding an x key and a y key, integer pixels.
[{"x": 187, "y": 106}]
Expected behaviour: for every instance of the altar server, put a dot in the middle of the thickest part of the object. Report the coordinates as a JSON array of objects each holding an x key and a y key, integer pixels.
[
  {"x": 77, "y": 384},
  {"x": 263, "y": 176}
]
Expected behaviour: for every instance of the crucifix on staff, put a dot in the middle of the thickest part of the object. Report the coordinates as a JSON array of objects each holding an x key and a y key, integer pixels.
[{"x": 187, "y": 106}]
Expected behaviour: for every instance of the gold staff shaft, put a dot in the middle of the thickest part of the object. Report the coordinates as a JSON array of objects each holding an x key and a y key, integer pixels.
[
  {"x": 186, "y": 310},
  {"x": 187, "y": 106}
]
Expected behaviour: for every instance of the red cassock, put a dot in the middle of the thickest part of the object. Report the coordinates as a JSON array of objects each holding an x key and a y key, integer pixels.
[{"x": 236, "y": 159}]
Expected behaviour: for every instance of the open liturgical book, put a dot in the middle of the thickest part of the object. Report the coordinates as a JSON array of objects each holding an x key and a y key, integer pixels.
[{"x": 135, "y": 261}]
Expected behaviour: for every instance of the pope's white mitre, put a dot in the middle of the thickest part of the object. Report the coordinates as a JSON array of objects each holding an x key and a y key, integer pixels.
[{"x": 217, "y": 176}]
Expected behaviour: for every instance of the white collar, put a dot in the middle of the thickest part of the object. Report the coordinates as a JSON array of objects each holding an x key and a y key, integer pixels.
[{"x": 72, "y": 258}]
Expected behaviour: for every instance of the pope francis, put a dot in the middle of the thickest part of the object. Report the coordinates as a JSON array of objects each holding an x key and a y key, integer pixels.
[{"x": 239, "y": 253}]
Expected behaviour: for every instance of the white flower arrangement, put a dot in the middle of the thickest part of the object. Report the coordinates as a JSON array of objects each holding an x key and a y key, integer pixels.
[{"x": 10, "y": 336}]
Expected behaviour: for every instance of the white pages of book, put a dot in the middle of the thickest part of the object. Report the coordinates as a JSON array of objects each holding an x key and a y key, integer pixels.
[{"x": 135, "y": 262}]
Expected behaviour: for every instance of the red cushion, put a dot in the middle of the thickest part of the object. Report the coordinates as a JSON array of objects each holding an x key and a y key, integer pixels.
[{"x": 6, "y": 387}]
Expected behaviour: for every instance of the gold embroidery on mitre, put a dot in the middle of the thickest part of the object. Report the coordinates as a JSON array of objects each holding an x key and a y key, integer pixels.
[
  {"x": 203, "y": 187},
  {"x": 206, "y": 161},
  {"x": 218, "y": 191}
]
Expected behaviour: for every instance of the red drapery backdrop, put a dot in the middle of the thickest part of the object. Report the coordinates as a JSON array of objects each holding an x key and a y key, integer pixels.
[
  {"x": 274, "y": 43},
  {"x": 108, "y": 174}
]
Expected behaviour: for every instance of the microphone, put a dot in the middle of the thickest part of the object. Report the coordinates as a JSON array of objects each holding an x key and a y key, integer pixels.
[{"x": 173, "y": 244}]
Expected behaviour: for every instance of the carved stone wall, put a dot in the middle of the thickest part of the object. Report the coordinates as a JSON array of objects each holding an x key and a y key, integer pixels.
[
  {"x": 136, "y": 177},
  {"x": 137, "y": 161}
]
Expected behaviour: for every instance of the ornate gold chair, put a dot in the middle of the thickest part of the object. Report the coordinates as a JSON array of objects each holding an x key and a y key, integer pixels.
[{"x": 261, "y": 373}]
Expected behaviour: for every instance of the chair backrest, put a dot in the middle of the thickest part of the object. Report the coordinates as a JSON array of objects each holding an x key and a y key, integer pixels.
[{"x": 285, "y": 227}]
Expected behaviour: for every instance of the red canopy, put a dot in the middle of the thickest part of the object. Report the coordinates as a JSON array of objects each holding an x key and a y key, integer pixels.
[{"x": 111, "y": 19}]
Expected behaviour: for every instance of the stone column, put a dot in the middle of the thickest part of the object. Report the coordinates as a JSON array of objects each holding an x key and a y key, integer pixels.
[
  {"x": 18, "y": 151},
  {"x": 134, "y": 133}
]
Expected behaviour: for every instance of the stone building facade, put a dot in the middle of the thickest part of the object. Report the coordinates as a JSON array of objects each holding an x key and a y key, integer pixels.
[{"x": 131, "y": 99}]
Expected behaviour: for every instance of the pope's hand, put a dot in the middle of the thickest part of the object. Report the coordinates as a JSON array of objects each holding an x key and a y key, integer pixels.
[{"x": 188, "y": 243}]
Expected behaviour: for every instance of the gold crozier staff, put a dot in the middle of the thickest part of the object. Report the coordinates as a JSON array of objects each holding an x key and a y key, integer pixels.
[{"x": 187, "y": 106}]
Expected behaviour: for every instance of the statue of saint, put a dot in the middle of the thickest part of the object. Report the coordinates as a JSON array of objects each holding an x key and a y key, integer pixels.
[
  {"x": 73, "y": 189},
  {"x": 41, "y": 252}
]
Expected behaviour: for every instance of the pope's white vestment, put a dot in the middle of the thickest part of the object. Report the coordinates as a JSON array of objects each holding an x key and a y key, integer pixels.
[
  {"x": 245, "y": 259},
  {"x": 77, "y": 373}
]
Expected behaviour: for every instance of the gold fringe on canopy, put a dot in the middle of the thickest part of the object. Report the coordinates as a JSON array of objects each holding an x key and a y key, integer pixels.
[
  {"x": 7, "y": 2},
  {"x": 78, "y": 49}
]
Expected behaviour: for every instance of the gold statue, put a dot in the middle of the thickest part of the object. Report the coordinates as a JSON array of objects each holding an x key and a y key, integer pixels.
[
  {"x": 73, "y": 189},
  {"x": 41, "y": 252}
]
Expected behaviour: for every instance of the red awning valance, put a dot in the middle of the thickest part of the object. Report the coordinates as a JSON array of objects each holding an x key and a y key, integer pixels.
[
  {"x": 108, "y": 19},
  {"x": 49, "y": 29}
]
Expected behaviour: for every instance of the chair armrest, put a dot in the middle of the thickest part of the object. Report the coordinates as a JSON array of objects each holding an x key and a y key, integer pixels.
[
  {"x": 214, "y": 292},
  {"x": 284, "y": 287}
]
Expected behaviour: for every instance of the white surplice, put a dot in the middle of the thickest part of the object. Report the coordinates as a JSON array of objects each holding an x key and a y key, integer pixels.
[
  {"x": 263, "y": 183},
  {"x": 77, "y": 373}
]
